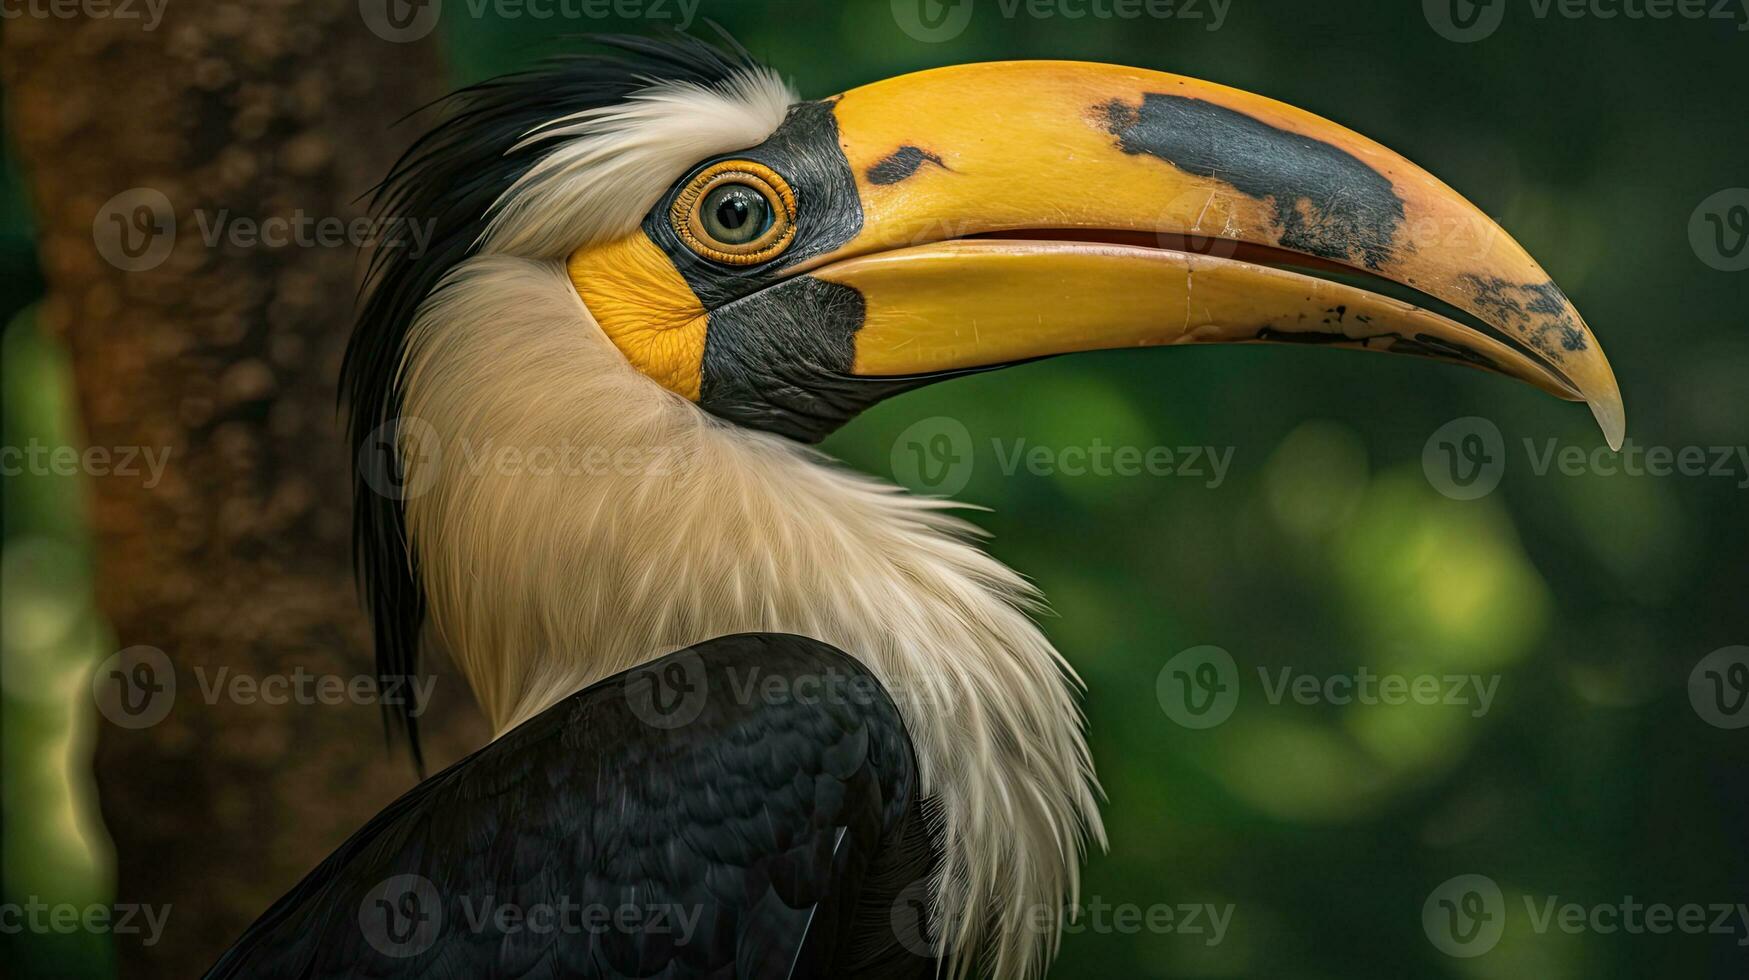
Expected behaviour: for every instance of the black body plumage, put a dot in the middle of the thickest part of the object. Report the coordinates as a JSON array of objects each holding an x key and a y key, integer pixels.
[{"x": 748, "y": 807}]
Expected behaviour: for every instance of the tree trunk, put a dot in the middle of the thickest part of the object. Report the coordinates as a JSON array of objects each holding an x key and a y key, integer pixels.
[{"x": 221, "y": 347}]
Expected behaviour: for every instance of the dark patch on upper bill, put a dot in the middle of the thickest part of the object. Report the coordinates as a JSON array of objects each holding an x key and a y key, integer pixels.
[
  {"x": 900, "y": 164},
  {"x": 1327, "y": 202}
]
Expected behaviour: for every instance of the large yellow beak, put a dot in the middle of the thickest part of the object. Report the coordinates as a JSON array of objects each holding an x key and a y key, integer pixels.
[{"x": 1023, "y": 209}]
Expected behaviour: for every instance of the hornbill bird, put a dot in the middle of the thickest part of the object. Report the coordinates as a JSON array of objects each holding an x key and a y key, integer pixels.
[{"x": 757, "y": 715}]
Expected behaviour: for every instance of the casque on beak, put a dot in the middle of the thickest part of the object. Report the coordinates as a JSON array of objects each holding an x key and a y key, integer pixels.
[{"x": 1022, "y": 209}]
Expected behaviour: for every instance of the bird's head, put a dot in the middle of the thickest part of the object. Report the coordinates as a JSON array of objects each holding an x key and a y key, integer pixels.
[
  {"x": 983, "y": 215},
  {"x": 776, "y": 265}
]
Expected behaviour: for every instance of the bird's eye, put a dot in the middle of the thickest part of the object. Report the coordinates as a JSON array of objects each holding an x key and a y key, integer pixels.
[{"x": 736, "y": 212}]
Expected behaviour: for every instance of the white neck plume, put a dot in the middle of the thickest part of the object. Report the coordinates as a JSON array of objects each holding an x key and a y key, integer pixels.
[{"x": 574, "y": 519}]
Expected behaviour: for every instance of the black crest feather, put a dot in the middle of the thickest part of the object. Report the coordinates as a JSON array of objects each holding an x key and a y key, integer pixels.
[{"x": 447, "y": 183}]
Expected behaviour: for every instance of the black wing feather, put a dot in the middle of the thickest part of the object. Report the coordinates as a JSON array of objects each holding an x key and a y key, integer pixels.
[{"x": 702, "y": 816}]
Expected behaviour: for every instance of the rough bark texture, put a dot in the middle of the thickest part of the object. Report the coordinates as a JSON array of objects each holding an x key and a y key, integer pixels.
[{"x": 226, "y": 354}]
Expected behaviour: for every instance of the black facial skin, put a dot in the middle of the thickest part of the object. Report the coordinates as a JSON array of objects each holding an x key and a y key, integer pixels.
[
  {"x": 778, "y": 352},
  {"x": 805, "y": 151}
]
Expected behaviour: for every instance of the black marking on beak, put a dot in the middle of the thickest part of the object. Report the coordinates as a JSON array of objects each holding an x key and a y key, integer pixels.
[
  {"x": 1425, "y": 345},
  {"x": 1535, "y": 310},
  {"x": 1327, "y": 202},
  {"x": 900, "y": 164}
]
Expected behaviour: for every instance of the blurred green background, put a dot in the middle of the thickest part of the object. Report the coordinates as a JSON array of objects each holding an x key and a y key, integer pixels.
[{"x": 1327, "y": 547}]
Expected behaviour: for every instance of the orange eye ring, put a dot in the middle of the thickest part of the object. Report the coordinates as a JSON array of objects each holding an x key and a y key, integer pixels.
[{"x": 692, "y": 225}]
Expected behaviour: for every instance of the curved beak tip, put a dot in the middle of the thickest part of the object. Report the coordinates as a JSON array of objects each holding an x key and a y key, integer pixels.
[{"x": 1611, "y": 418}]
